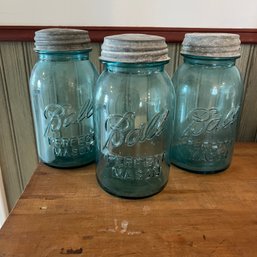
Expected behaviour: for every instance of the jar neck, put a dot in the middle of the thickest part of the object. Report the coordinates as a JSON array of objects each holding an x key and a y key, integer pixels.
[
  {"x": 63, "y": 56},
  {"x": 135, "y": 68},
  {"x": 210, "y": 61}
]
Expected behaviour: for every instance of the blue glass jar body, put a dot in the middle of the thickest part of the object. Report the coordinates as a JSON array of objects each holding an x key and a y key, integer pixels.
[
  {"x": 61, "y": 89},
  {"x": 134, "y": 104},
  {"x": 209, "y": 95}
]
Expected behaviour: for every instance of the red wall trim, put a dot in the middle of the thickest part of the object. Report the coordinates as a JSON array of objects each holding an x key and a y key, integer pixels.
[{"x": 172, "y": 35}]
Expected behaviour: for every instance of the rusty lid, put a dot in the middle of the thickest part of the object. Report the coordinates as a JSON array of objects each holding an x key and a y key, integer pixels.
[
  {"x": 134, "y": 48},
  {"x": 211, "y": 44},
  {"x": 59, "y": 39}
]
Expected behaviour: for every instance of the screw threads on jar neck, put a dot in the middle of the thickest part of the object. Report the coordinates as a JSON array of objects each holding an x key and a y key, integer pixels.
[
  {"x": 217, "y": 45},
  {"x": 134, "y": 48},
  {"x": 62, "y": 40}
]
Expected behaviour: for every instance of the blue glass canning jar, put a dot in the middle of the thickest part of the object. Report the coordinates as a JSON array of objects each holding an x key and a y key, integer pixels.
[
  {"x": 61, "y": 86},
  {"x": 209, "y": 95},
  {"x": 134, "y": 105}
]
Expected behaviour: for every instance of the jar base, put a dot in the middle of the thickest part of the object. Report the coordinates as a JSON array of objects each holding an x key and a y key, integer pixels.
[
  {"x": 198, "y": 171},
  {"x": 52, "y": 165},
  {"x": 127, "y": 196}
]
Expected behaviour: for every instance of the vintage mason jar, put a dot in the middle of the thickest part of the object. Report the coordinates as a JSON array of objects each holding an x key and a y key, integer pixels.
[
  {"x": 209, "y": 97},
  {"x": 61, "y": 86},
  {"x": 134, "y": 104}
]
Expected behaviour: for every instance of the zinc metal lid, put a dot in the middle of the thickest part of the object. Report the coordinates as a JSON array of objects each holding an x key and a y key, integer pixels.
[
  {"x": 134, "y": 48},
  {"x": 60, "y": 39},
  {"x": 211, "y": 44}
]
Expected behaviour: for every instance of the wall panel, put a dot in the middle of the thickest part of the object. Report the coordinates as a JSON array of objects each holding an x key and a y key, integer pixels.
[
  {"x": 248, "y": 124},
  {"x": 9, "y": 161}
]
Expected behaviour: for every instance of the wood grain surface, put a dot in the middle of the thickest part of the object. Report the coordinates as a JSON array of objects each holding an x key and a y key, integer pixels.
[{"x": 66, "y": 213}]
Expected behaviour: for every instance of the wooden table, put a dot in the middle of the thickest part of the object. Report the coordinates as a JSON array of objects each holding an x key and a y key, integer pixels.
[{"x": 65, "y": 212}]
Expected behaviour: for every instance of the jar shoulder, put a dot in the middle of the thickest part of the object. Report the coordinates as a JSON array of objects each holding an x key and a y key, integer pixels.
[
  {"x": 185, "y": 69},
  {"x": 192, "y": 75},
  {"x": 47, "y": 72},
  {"x": 157, "y": 85},
  {"x": 158, "y": 79}
]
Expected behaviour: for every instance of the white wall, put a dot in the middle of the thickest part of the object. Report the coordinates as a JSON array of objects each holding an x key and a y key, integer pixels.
[
  {"x": 3, "y": 204},
  {"x": 158, "y": 13}
]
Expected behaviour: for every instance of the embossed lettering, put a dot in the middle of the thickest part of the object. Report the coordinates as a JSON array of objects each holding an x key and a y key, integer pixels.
[
  {"x": 206, "y": 151},
  {"x": 203, "y": 122},
  {"x": 62, "y": 116},
  {"x": 122, "y": 131},
  {"x": 135, "y": 168},
  {"x": 209, "y": 120},
  {"x": 74, "y": 146}
]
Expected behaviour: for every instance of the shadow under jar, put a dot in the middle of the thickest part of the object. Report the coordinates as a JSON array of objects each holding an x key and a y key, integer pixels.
[
  {"x": 209, "y": 93},
  {"x": 134, "y": 105}
]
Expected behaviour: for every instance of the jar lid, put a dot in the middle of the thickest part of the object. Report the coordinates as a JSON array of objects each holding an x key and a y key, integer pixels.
[
  {"x": 57, "y": 39},
  {"x": 134, "y": 48},
  {"x": 211, "y": 44}
]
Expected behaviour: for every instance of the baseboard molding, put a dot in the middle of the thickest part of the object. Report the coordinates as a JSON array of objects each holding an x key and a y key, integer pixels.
[{"x": 172, "y": 35}]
